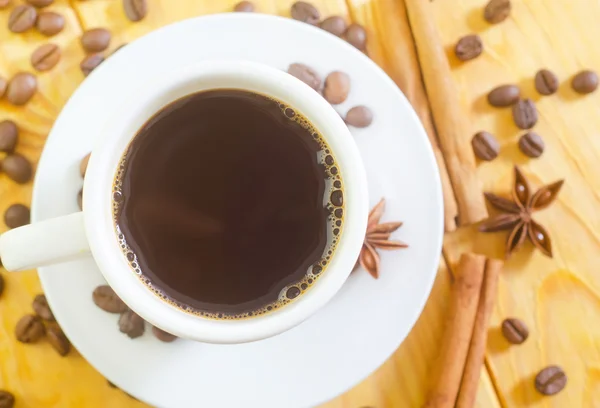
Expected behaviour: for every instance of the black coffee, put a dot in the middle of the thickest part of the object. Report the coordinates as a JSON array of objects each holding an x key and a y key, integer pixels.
[{"x": 228, "y": 204}]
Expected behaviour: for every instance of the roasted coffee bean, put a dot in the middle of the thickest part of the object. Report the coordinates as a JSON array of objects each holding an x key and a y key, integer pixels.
[
  {"x": 515, "y": 330},
  {"x": 21, "y": 88},
  {"x": 357, "y": 36},
  {"x": 4, "y": 4},
  {"x": 525, "y": 114},
  {"x": 131, "y": 324},
  {"x": 359, "y": 116},
  {"x": 16, "y": 216},
  {"x": 17, "y": 168},
  {"x": 106, "y": 299},
  {"x": 244, "y": 7},
  {"x": 7, "y": 400},
  {"x": 1, "y": 284},
  {"x": 3, "y": 86},
  {"x": 50, "y": 23},
  {"x": 496, "y": 11},
  {"x": 30, "y": 329},
  {"x": 84, "y": 164},
  {"x": 9, "y": 135},
  {"x": 485, "y": 146},
  {"x": 337, "y": 87},
  {"x": 585, "y": 82},
  {"x": 135, "y": 10},
  {"x": 504, "y": 95},
  {"x": 305, "y": 12},
  {"x": 80, "y": 199},
  {"x": 531, "y": 144},
  {"x": 163, "y": 335},
  {"x": 40, "y": 3},
  {"x": 546, "y": 83},
  {"x": 336, "y": 25},
  {"x": 58, "y": 340},
  {"x": 95, "y": 40},
  {"x": 22, "y": 18},
  {"x": 42, "y": 308},
  {"x": 306, "y": 74},
  {"x": 551, "y": 380},
  {"x": 45, "y": 57},
  {"x": 468, "y": 47},
  {"x": 90, "y": 63}
]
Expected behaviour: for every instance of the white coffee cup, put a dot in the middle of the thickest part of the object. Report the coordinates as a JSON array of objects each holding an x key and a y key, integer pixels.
[{"x": 92, "y": 230}]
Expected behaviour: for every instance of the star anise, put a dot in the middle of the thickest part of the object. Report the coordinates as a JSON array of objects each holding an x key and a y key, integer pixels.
[
  {"x": 516, "y": 214},
  {"x": 378, "y": 237}
]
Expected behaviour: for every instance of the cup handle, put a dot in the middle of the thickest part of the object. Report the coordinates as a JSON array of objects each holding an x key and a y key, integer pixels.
[{"x": 48, "y": 242}]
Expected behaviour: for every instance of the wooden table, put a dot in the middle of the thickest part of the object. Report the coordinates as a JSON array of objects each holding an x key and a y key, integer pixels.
[{"x": 558, "y": 298}]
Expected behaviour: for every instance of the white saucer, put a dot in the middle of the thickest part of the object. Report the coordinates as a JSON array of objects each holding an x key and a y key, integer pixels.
[{"x": 343, "y": 343}]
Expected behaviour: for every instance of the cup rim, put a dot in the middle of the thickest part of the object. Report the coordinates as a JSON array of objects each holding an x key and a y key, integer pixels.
[{"x": 121, "y": 129}]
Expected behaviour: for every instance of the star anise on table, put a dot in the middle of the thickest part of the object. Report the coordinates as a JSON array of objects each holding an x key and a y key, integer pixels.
[
  {"x": 378, "y": 237},
  {"x": 516, "y": 214}
]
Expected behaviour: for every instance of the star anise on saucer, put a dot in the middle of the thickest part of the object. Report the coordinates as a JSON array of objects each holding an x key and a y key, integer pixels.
[
  {"x": 378, "y": 237},
  {"x": 516, "y": 214}
]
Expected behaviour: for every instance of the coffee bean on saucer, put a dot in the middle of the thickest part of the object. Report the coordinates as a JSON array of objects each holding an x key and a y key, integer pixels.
[
  {"x": 337, "y": 87},
  {"x": 21, "y": 88},
  {"x": 84, "y": 164},
  {"x": 7, "y": 400},
  {"x": 17, "y": 168},
  {"x": 551, "y": 380},
  {"x": 50, "y": 23},
  {"x": 30, "y": 329},
  {"x": 163, "y": 335},
  {"x": 485, "y": 146},
  {"x": 58, "y": 340},
  {"x": 9, "y": 135},
  {"x": 504, "y": 95},
  {"x": 4, "y": 4},
  {"x": 3, "y": 86},
  {"x": 80, "y": 199},
  {"x": 306, "y": 74},
  {"x": 135, "y": 10},
  {"x": 336, "y": 25},
  {"x": 515, "y": 330},
  {"x": 496, "y": 11},
  {"x": 106, "y": 299},
  {"x": 305, "y": 12},
  {"x": 16, "y": 216},
  {"x": 244, "y": 7},
  {"x": 95, "y": 40},
  {"x": 90, "y": 63},
  {"x": 42, "y": 308},
  {"x": 22, "y": 18},
  {"x": 45, "y": 57},
  {"x": 131, "y": 324},
  {"x": 357, "y": 36},
  {"x": 546, "y": 82},
  {"x": 359, "y": 116},
  {"x": 585, "y": 82},
  {"x": 525, "y": 114},
  {"x": 468, "y": 47},
  {"x": 531, "y": 144}
]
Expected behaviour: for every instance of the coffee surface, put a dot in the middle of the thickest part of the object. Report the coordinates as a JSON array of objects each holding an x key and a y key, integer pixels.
[{"x": 228, "y": 204}]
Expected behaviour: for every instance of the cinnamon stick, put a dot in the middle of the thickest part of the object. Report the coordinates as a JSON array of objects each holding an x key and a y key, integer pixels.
[
  {"x": 472, "y": 372},
  {"x": 450, "y": 120},
  {"x": 464, "y": 299}
]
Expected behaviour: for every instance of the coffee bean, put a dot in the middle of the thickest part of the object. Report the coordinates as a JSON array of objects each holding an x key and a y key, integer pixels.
[
  {"x": 163, "y": 335},
  {"x": 524, "y": 114},
  {"x": 16, "y": 216},
  {"x": 22, "y": 18},
  {"x": 21, "y": 88},
  {"x": 337, "y": 87},
  {"x": 546, "y": 83},
  {"x": 58, "y": 340},
  {"x": 515, "y": 330},
  {"x": 40, "y": 3},
  {"x": 45, "y": 57},
  {"x": 131, "y": 324},
  {"x": 531, "y": 144},
  {"x": 305, "y": 12},
  {"x": 135, "y": 10},
  {"x": 359, "y": 116},
  {"x": 504, "y": 95},
  {"x": 90, "y": 63},
  {"x": 95, "y": 40},
  {"x": 468, "y": 47},
  {"x": 485, "y": 146},
  {"x": 585, "y": 82},
  {"x": 84, "y": 164},
  {"x": 4, "y": 4},
  {"x": 30, "y": 329},
  {"x": 106, "y": 299},
  {"x": 42, "y": 308},
  {"x": 551, "y": 380},
  {"x": 50, "y": 23},
  {"x": 3, "y": 86},
  {"x": 244, "y": 7},
  {"x": 9, "y": 135},
  {"x": 80, "y": 199},
  {"x": 7, "y": 400},
  {"x": 336, "y": 25},
  {"x": 496, "y": 11},
  {"x": 1, "y": 284},
  {"x": 357, "y": 36},
  {"x": 17, "y": 168},
  {"x": 306, "y": 74}
]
